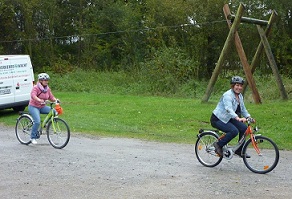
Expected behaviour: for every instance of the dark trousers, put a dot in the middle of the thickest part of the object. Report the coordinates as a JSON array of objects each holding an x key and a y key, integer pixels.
[{"x": 232, "y": 128}]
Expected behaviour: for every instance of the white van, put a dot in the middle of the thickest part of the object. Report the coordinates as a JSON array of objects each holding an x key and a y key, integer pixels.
[{"x": 16, "y": 81}]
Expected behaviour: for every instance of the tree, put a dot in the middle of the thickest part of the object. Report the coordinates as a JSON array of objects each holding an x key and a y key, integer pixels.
[{"x": 119, "y": 35}]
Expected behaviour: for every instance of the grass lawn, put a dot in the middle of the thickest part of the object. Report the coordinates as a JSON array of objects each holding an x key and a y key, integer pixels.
[{"x": 158, "y": 118}]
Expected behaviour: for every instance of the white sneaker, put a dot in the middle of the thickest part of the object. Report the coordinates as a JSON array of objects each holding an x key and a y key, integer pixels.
[{"x": 33, "y": 141}]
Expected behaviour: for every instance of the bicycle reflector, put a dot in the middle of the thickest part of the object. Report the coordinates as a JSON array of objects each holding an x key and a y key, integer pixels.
[{"x": 59, "y": 109}]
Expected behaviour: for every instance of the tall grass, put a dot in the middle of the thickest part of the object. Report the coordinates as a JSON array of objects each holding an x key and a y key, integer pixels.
[{"x": 137, "y": 84}]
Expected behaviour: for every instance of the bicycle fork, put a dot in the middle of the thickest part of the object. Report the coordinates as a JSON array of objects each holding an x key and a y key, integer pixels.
[
  {"x": 253, "y": 140},
  {"x": 254, "y": 144}
]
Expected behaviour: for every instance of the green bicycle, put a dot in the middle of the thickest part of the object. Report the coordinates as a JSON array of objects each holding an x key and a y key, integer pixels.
[{"x": 58, "y": 132}]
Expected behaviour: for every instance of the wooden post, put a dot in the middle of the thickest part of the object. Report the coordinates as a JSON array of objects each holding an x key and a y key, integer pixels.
[
  {"x": 245, "y": 64},
  {"x": 256, "y": 59},
  {"x": 224, "y": 52},
  {"x": 272, "y": 61}
]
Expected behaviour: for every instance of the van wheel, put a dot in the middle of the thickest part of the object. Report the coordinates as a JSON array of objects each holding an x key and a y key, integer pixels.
[{"x": 19, "y": 108}]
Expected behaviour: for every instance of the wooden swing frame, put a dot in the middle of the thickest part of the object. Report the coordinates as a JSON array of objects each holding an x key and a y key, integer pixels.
[{"x": 233, "y": 22}]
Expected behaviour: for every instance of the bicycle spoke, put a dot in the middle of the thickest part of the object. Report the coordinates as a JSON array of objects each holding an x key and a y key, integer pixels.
[
  {"x": 58, "y": 133},
  {"x": 23, "y": 129},
  {"x": 264, "y": 156},
  {"x": 205, "y": 151}
]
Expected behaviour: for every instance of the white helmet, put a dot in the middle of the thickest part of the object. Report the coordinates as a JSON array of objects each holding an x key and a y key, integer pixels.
[
  {"x": 43, "y": 76},
  {"x": 237, "y": 80}
]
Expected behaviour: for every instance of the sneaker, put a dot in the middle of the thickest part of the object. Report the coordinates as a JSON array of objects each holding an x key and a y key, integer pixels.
[
  {"x": 33, "y": 141},
  {"x": 218, "y": 149},
  {"x": 240, "y": 155}
]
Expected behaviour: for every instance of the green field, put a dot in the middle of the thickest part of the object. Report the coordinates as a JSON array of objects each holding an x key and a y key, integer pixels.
[{"x": 158, "y": 118}]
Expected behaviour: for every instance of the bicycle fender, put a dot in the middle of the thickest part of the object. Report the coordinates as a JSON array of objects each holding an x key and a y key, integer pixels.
[
  {"x": 25, "y": 115},
  {"x": 207, "y": 132}
]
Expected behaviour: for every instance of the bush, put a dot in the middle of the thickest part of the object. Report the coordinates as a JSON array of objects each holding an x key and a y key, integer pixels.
[{"x": 167, "y": 71}]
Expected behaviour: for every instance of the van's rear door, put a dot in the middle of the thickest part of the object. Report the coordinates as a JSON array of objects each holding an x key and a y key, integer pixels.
[
  {"x": 7, "y": 88},
  {"x": 23, "y": 78}
]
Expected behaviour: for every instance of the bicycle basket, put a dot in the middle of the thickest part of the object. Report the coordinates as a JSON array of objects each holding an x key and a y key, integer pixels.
[{"x": 59, "y": 109}]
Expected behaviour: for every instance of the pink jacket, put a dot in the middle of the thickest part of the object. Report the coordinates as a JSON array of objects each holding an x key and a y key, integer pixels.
[{"x": 36, "y": 91}]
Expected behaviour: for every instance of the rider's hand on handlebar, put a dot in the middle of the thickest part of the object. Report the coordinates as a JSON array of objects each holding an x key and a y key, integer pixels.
[
  {"x": 42, "y": 102},
  {"x": 241, "y": 119},
  {"x": 45, "y": 102}
]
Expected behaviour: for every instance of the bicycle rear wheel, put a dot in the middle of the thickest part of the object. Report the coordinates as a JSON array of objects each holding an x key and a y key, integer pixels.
[
  {"x": 23, "y": 129},
  {"x": 205, "y": 151},
  {"x": 266, "y": 160},
  {"x": 58, "y": 133}
]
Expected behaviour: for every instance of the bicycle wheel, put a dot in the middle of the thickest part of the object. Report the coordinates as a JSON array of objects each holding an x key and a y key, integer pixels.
[
  {"x": 58, "y": 133},
  {"x": 205, "y": 151},
  {"x": 23, "y": 129},
  {"x": 266, "y": 160}
]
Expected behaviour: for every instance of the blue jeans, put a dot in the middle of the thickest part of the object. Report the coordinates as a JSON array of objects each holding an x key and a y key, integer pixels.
[
  {"x": 231, "y": 128},
  {"x": 35, "y": 113}
]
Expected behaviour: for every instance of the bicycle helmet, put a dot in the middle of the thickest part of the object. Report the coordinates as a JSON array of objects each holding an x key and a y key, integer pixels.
[
  {"x": 237, "y": 80},
  {"x": 43, "y": 76}
]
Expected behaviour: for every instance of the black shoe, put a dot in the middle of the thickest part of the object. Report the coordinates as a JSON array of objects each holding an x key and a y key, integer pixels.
[
  {"x": 218, "y": 149},
  {"x": 240, "y": 155}
]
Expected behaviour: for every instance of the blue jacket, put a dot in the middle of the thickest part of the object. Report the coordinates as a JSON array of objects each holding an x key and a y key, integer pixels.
[{"x": 226, "y": 107}]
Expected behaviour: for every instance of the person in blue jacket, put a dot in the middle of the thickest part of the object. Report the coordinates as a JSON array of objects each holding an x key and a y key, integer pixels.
[{"x": 230, "y": 115}]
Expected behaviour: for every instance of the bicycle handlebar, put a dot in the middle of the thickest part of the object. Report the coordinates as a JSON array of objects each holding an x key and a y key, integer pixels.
[
  {"x": 250, "y": 120},
  {"x": 50, "y": 102}
]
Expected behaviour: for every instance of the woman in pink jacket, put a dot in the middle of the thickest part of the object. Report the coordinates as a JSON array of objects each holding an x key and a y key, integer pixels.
[{"x": 39, "y": 94}]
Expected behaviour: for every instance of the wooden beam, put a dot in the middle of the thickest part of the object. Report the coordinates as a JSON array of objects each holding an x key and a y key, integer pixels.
[
  {"x": 224, "y": 52},
  {"x": 256, "y": 59},
  {"x": 249, "y": 20},
  {"x": 245, "y": 64},
  {"x": 272, "y": 61}
]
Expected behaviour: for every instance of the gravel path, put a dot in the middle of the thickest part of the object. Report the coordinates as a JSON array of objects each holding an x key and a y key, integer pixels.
[{"x": 91, "y": 167}]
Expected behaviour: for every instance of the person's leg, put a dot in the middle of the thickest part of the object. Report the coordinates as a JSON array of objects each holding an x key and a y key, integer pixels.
[
  {"x": 230, "y": 130},
  {"x": 241, "y": 128},
  {"x": 35, "y": 113},
  {"x": 45, "y": 110}
]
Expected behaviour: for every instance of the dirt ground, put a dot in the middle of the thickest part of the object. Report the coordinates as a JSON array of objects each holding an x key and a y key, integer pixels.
[{"x": 91, "y": 167}]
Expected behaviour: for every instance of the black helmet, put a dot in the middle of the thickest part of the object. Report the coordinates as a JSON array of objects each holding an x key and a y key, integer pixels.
[{"x": 237, "y": 80}]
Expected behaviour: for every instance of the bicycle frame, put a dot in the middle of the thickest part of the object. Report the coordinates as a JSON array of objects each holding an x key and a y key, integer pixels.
[
  {"x": 49, "y": 117},
  {"x": 249, "y": 132}
]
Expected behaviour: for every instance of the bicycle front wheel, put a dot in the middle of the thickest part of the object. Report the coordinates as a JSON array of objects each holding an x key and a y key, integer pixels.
[
  {"x": 265, "y": 159},
  {"x": 58, "y": 133},
  {"x": 205, "y": 151},
  {"x": 23, "y": 129}
]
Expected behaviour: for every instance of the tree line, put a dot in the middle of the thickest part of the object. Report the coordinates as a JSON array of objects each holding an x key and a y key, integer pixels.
[{"x": 181, "y": 37}]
